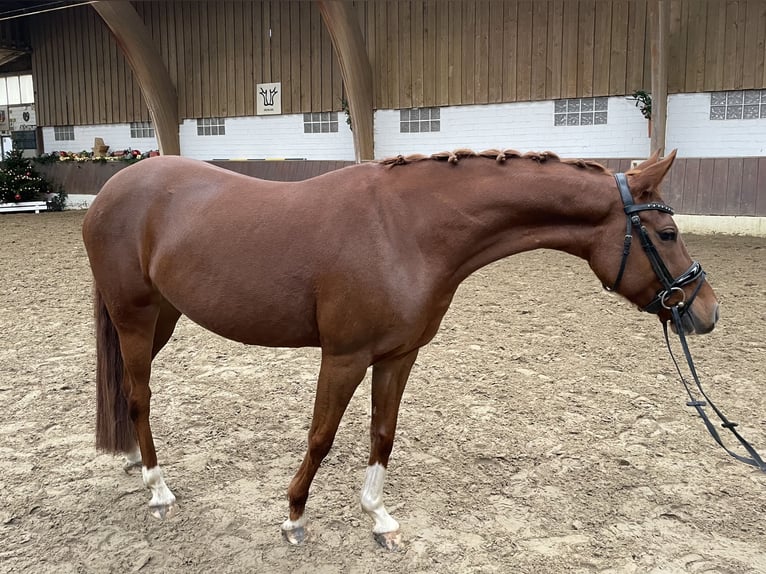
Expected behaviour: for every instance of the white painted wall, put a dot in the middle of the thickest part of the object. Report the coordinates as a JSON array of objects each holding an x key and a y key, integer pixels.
[
  {"x": 262, "y": 137},
  {"x": 116, "y": 136},
  {"x": 523, "y": 126},
  {"x": 691, "y": 130}
]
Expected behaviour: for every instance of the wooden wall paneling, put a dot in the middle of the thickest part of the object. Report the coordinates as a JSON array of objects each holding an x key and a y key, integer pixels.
[
  {"x": 553, "y": 69},
  {"x": 81, "y": 73},
  {"x": 705, "y": 189},
  {"x": 252, "y": 32},
  {"x": 495, "y": 53},
  {"x": 602, "y": 40},
  {"x": 636, "y": 46},
  {"x": 315, "y": 71},
  {"x": 455, "y": 51},
  {"x": 302, "y": 56},
  {"x": 677, "y": 31},
  {"x": 185, "y": 53},
  {"x": 732, "y": 67},
  {"x": 720, "y": 183},
  {"x": 219, "y": 67},
  {"x": 329, "y": 100},
  {"x": 380, "y": 70},
  {"x": 405, "y": 55},
  {"x": 173, "y": 31},
  {"x": 199, "y": 66},
  {"x": 259, "y": 60},
  {"x": 468, "y": 64},
  {"x": 418, "y": 32},
  {"x": 524, "y": 51},
  {"x": 749, "y": 191},
  {"x": 696, "y": 47},
  {"x": 430, "y": 51},
  {"x": 673, "y": 190},
  {"x": 755, "y": 30},
  {"x": 39, "y": 71},
  {"x": 443, "y": 62},
  {"x": 393, "y": 55},
  {"x": 741, "y": 30},
  {"x": 280, "y": 50},
  {"x": 103, "y": 62},
  {"x": 539, "y": 57},
  {"x": 733, "y": 195},
  {"x": 510, "y": 50},
  {"x": 714, "y": 44},
  {"x": 618, "y": 48},
  {"x": 585, "y": 37},
  {"x": 294, "y": 78},
  {"x": 235, "y": 78},
  {"x": 760, "y": 200},
  {"x": 688, "y": 203},
  {"x": 569, "y": 50},
  {"x": 338, "y": 88},
  {"x": 481, "y": 54}
]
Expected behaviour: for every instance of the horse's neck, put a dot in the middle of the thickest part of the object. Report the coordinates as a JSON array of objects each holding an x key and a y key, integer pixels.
[{"x": 484, "y": 212}]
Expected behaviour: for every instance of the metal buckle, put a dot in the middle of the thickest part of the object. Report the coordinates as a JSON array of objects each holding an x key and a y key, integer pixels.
[{"x": 665, "y": 295}]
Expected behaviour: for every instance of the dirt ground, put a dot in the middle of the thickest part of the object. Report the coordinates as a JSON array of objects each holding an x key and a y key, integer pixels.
[{"x": 543, "y": 430}]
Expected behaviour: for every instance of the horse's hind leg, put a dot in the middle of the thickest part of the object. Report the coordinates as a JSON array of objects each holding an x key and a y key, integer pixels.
[
  {"x": 338, "y": 379},
  {"x": 389, "y": 378},
  {"x": 137, "y": 341},
  {"x": 163, "y": 330}
]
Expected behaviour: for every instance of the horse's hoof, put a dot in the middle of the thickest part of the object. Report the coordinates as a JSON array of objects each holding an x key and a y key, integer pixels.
[
  {"x": 130, "y": 466},
  {"x": 296, "y": 536},
  {"x": 163, "y": 511},
  {"x": 391, "y": 541}
]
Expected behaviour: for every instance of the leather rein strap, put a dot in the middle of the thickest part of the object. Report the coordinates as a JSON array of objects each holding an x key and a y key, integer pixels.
[{"x": 670, "y": 286}]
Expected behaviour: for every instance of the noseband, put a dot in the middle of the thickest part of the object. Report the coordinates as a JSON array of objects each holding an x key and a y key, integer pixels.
[
  {"x": 662, "y": 300},
  {"x": 670, "y": 286}
]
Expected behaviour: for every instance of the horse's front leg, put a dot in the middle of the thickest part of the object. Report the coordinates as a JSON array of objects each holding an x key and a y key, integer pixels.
[
  {"x": 388, "y": 381},
  {"x": 338, "y": 379}
]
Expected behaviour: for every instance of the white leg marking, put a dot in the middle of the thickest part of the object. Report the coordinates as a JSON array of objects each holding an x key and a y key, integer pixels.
[
  {"x": 288, "y": 524},
  {"x": 161, "y": 495},
  {"x": 372, "y": 500}
]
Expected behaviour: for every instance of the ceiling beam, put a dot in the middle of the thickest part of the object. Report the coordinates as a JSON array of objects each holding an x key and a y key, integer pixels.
[
  {"x": 342, "y": 23},
  {"x": 137, "y": 45}
]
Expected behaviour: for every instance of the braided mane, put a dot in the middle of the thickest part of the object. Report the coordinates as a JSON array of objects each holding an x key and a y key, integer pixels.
[{"x": 499, "y": 156}]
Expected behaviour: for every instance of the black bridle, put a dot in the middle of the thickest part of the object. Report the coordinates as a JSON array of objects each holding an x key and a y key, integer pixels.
[{"x": 673, "y": 288}]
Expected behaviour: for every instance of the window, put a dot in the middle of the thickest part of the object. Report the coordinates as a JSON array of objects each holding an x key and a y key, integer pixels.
[
  {"x": 16, "y": 90},
  {"x": 61, "y": 133},
  {"x": 417, "y": 120},
  {"x": 320, "y": 122},
  {"x": 580, "y": 112},
  {"x": 211, "y": 127},
  {"x": 141, "y": 130},
  {"x": 738, "y": 105}
]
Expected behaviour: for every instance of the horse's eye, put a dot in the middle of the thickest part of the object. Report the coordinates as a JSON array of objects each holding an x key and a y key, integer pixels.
[{"x": 668, "y": 235}]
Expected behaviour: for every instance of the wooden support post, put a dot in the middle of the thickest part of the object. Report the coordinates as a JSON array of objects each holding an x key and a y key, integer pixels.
[
  {"x": 659, "y": 18},
  {"x": 138, "y": 47},
  {"x": 342, "y": 23}
]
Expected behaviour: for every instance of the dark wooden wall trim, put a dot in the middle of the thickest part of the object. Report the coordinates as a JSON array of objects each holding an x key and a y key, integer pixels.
[{"x": 708, "y": 186}]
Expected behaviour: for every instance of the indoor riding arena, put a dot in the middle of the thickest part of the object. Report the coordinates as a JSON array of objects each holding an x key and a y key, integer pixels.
[{"x": 545, "y": 429}]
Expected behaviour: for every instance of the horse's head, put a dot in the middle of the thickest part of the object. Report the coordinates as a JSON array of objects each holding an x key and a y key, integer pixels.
[{"x": 640, "y": 254}]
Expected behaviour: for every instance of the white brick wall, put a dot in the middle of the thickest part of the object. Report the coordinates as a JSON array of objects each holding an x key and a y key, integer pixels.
[
  {"x": 116, "y": 136},
  {"x": 524, "y": 126},
  {"x": 691, "y": 130},
  {"x": 261, "y": 137}
]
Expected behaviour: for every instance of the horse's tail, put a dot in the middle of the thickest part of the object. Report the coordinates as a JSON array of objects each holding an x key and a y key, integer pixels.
[{"x": 114, "y": 429}]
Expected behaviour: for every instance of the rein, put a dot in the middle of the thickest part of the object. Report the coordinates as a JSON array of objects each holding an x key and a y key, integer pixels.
[{"x": 671, "y": 286}]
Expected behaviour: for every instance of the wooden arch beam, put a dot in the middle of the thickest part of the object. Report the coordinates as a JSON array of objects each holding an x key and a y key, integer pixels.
[
  {"x": 342, "y": 23},
  {"x": 138, "y": 47}
]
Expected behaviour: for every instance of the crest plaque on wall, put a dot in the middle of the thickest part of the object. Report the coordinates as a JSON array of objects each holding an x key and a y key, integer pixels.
[{"x": 268, "y": 99}]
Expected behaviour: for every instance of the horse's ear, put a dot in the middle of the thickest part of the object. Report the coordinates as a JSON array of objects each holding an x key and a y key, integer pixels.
[
  {"x": 643, "y": 180},
  {"x": 654, "y": 158}
]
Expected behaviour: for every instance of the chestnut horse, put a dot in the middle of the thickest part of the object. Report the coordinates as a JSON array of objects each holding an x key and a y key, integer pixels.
[{"x": 362, "y": 262}]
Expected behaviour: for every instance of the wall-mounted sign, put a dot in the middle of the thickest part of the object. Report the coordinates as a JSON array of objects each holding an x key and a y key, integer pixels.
[
  {"x": 5, "y": 125},
  {"x": 269, "y": 99},
  {"x": 22, "y": 117}
]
